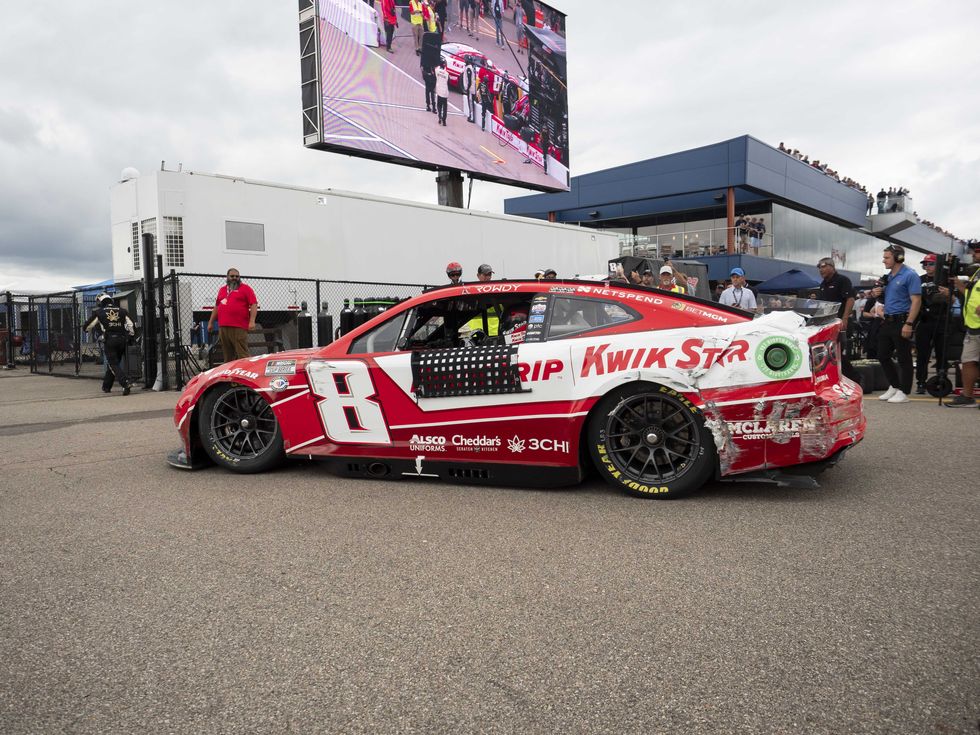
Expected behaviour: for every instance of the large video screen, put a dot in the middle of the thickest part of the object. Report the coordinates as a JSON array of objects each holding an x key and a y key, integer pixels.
[{"x": 472, "y": 85}]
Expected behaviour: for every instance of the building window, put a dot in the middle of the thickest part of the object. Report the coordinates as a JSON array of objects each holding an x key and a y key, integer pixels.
[
  {"x": 150, "y": 226},
  {"x": 173, "y": 236},
  {"x": 248, "y": 236},
  {"x": 136, "y": 246}
]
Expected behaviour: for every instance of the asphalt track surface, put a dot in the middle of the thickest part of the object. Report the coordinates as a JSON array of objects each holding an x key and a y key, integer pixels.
[
  {"x": 375, "y": 101},
  {"x": 139, "y": 598}
]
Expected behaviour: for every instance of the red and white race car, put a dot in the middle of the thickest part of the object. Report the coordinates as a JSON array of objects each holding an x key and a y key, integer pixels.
[
  {"x": 458, "y": 55},
  {"x": 531, "y": 383}
]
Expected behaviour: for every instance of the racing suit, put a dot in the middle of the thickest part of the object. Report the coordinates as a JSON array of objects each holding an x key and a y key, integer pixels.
[{"x": 115, "y": 329}]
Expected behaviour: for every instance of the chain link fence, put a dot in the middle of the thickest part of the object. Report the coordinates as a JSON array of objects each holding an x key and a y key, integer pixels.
[
  {"x": 293, "y": 313},
  {"x": 45, "y": 332}
]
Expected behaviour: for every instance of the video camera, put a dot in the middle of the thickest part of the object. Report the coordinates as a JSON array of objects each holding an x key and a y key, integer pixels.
[{"x": 948, "y": 266}]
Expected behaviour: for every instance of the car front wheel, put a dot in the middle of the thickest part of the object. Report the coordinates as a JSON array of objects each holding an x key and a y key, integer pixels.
[
  {"x": 651, "y": 442},
  {"x": 239, "y": 430}
]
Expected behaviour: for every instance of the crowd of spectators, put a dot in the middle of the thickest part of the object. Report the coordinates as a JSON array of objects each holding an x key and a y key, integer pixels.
[
  {"x": 892, "y": 197},
  {"x": 934, "y": 226},
  {"x": 822, "y": 167}
]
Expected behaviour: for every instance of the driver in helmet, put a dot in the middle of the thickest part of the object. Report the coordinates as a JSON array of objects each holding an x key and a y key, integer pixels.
[
  {"x": 455, "y": 273},
  {"x": 115, "y": 329}
]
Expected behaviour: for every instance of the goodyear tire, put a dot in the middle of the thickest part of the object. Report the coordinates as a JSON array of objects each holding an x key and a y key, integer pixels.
[
  {"x": 239, "y": 430},
  {"x": 651, "y": 442}
]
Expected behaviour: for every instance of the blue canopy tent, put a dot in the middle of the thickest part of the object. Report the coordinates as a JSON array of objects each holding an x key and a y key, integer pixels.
[{"x": 790, "y": 282}]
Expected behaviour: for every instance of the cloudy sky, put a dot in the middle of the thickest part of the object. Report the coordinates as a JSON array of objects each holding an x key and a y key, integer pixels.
[{"x": 884, "y": 92}]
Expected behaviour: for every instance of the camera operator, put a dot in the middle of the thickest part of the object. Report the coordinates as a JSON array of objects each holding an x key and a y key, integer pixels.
[
  {"x": 902, "y": 295},
  {"x": 930, "y": 332},
  {"x": 969, "y": 291}
]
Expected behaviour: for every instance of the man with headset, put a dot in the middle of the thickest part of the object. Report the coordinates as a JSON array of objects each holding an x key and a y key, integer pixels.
[{"x": 902, "y": 296}]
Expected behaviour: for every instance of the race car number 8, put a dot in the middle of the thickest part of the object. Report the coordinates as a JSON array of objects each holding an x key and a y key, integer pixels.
[{"x": 349, "y": 409}]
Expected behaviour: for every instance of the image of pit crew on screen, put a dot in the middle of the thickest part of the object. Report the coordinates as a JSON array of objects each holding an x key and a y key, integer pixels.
[{"x": 474, "y": 85}]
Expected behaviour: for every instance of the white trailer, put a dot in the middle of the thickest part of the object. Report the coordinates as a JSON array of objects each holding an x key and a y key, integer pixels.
[{"x": 206, "y": 223}]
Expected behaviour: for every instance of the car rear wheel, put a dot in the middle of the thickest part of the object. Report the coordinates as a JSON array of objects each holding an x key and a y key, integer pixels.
[
  {"x": 651, "y": 442},
  {"x": 239, "y": 430}
]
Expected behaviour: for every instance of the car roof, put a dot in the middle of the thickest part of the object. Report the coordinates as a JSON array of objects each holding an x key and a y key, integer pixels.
[
  {"x": 570, "y": 287},
  {"x": 455, "y": 48}
]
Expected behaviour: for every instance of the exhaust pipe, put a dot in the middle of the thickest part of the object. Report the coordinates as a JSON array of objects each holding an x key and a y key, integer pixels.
[{"x": 377, "y": 469}]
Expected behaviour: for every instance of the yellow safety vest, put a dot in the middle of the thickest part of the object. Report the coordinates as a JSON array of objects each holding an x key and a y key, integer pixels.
[
  {"x": 493, "y": 322},
  {"x": 970, "y": 317},
  {"x": 415, "y": 8}
]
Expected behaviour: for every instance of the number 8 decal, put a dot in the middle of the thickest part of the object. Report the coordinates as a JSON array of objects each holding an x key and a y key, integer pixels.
[{"x": 349, "y": 408}]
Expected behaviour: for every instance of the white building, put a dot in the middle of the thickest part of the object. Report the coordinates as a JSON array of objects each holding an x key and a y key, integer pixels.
[{"x": 206, "y": 223}]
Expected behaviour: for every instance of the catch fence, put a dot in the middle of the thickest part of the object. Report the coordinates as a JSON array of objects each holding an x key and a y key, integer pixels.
[{"x": 45, "y": 332}]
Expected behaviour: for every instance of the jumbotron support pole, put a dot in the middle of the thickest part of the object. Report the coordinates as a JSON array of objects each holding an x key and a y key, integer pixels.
[
  {"x": 450, "y": 186},
  {"x": 730, "y": 199}
]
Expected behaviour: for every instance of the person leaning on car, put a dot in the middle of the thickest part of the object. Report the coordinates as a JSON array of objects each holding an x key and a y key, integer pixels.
[{"x": 235, "y": 309}]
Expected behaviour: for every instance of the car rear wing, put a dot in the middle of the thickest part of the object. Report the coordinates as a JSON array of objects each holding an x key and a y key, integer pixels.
[{"x": 814, "y": 311}]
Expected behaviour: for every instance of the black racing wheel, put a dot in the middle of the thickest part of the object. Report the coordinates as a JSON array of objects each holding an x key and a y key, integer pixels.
[
  {"x": 651, "y": 442},
  {"x": 239, "y": 430}
]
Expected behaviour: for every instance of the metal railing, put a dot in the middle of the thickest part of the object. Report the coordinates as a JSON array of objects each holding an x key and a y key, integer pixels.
[
  {"x": 695, "y": 243},
  {"x": 44, "y": 332}
]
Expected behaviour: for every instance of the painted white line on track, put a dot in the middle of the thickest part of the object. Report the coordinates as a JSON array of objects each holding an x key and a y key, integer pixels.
[
  {"x": 397, "y": 68},
  {"x": 363, "y": 129},
  {"x": 354, "y": 137}
]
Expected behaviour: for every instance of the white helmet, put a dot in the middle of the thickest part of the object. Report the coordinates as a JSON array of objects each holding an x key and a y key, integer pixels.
[{"x": 103, "y": 298}]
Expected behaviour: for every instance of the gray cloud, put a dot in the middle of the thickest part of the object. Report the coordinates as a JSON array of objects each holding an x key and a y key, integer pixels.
[{"x": 884, "y": 97}]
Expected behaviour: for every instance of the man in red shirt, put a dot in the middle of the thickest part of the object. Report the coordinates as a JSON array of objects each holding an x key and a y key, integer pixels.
[
  {"x": 235, "y": 309},
  {"x": 390, "y": 17}
]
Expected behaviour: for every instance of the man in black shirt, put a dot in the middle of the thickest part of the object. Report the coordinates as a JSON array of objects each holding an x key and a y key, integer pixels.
[
  {"x": 930, "y": 331},
  {"x": 837, "y": 288}
]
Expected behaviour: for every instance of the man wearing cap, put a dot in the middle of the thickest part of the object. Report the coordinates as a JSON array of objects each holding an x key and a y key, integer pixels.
[
  {"x": 538, "y": 274},
  {"x": 837, "y": 289},
  {"x": 902, "y": 296},
  {"x": 969, "y": 291},
  {"x": 738, "y": 294},
  {"x": 672, "y": 279},
  {"x": 550, "y": 274},
  {"x": 930, "y": 331},
  {"x": 490, "y": 321},
  {"x": 455, "y": 272},
  {"x": 646, "y": 277}
]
